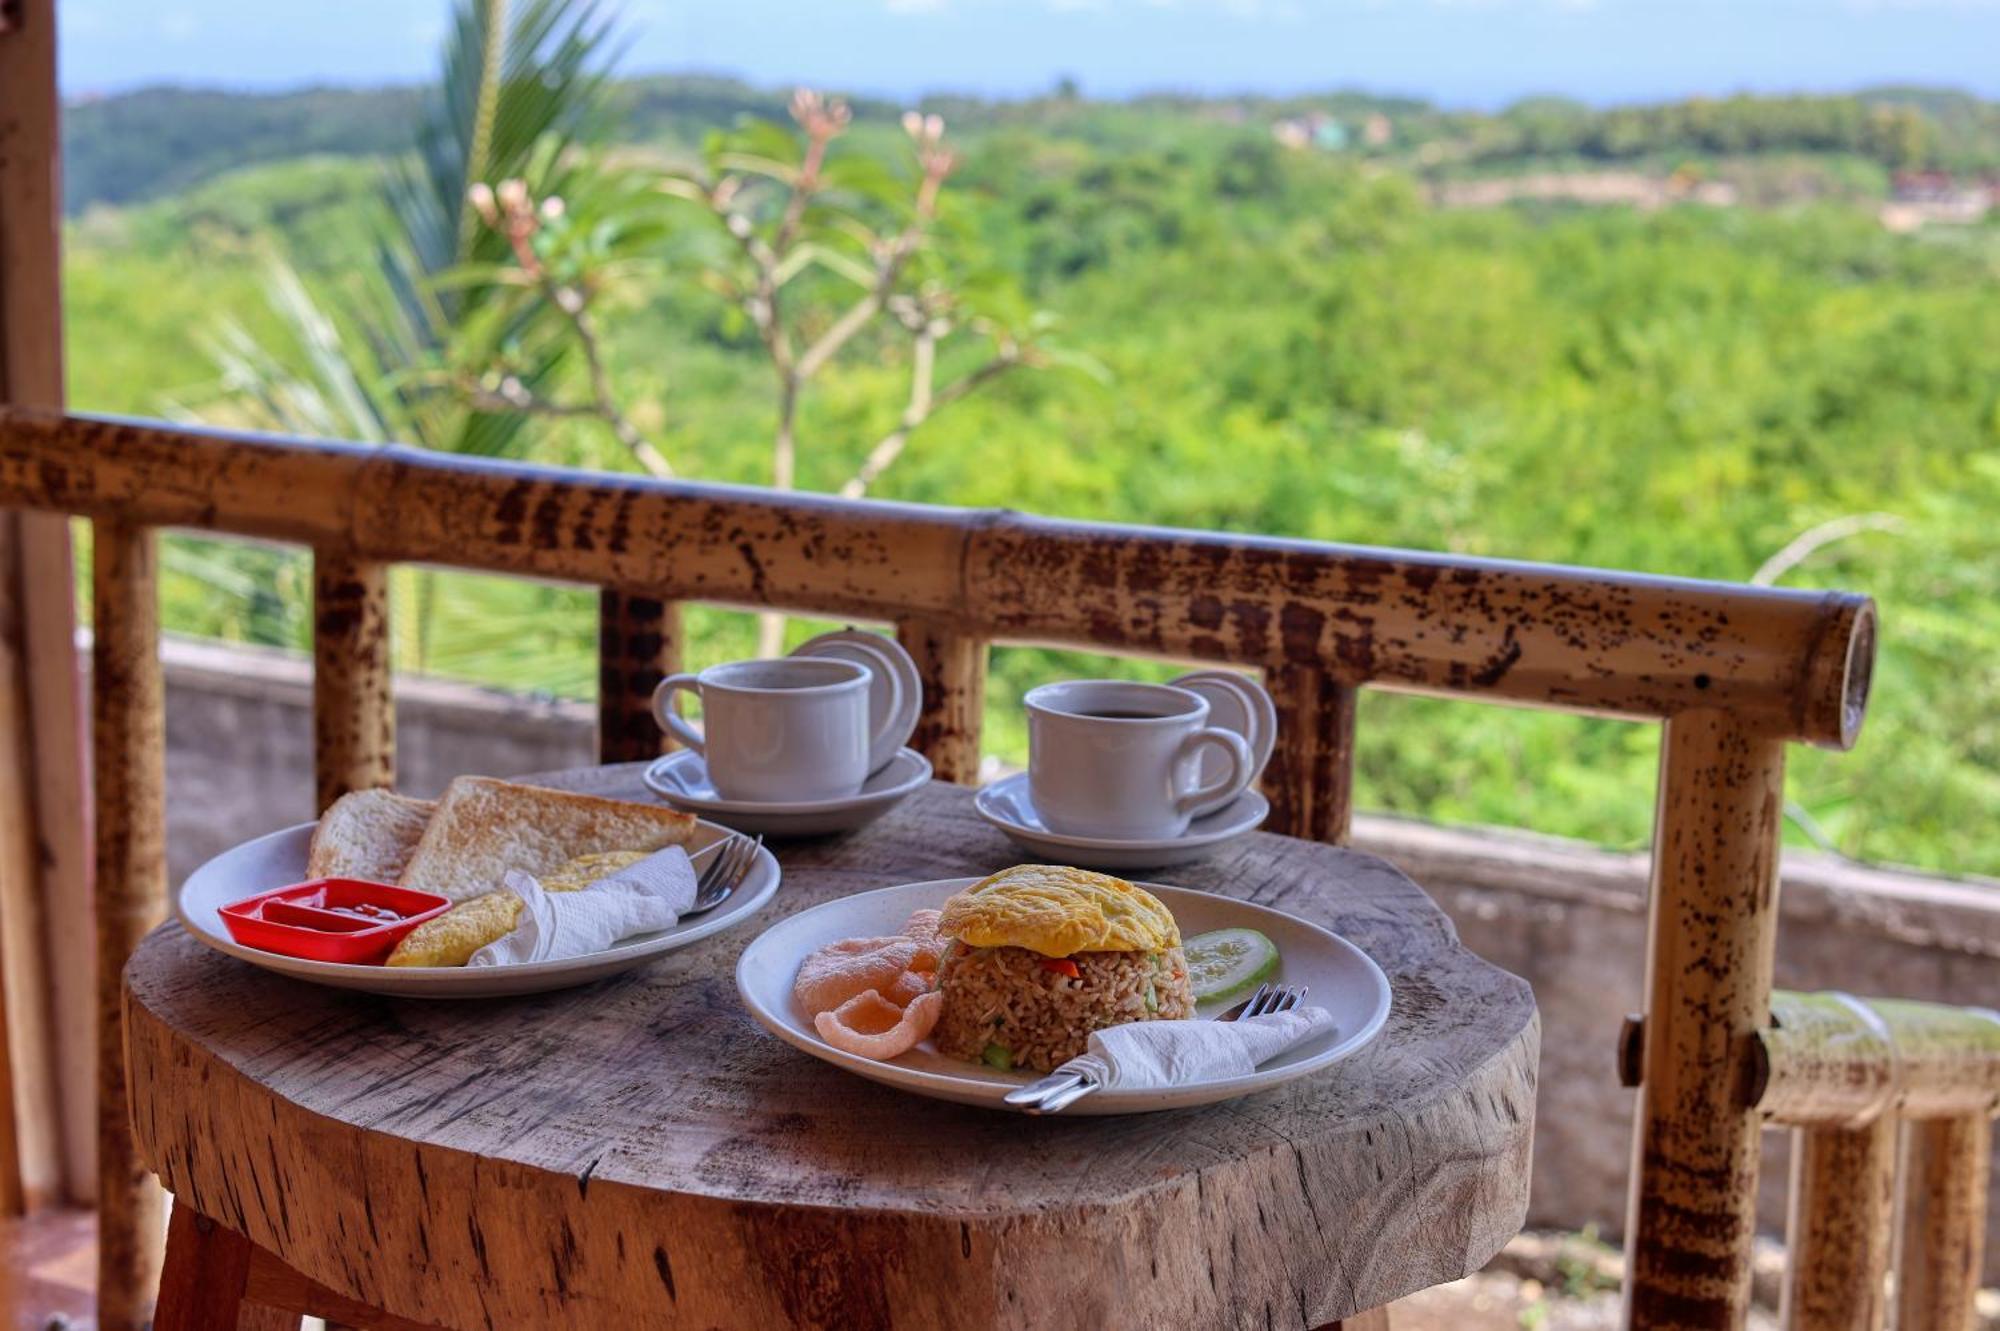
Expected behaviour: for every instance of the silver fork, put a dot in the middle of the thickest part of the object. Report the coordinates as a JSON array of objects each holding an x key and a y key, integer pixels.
[
  {"x": 1059, "y": 1090},
  {"x": 735, "y": 856}
]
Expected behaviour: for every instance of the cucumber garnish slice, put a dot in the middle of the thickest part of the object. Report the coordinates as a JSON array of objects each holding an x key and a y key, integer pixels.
[{"x": 1229, "y": 962}]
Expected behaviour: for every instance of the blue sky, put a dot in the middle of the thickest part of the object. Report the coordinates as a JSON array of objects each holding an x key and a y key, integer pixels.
[{"x": 1462, "y": 52}]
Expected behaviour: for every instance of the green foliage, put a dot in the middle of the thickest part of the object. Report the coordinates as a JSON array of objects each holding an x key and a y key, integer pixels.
[{"x": 1296, "y": 343}]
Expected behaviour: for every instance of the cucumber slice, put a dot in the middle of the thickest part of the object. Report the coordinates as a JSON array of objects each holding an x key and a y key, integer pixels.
[{"x": 1229, "y": 962}]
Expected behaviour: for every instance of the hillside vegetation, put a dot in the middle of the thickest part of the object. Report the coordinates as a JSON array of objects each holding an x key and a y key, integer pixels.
[
  {"x": 158, "y": 141},
  {"x": 1294, "y": 342}
]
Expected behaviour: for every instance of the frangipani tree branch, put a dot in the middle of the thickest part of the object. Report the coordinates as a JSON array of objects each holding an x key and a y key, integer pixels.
[{"x": 511, "y": 211}]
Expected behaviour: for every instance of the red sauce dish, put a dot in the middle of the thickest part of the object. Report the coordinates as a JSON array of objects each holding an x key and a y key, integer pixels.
[{"x": 331, "y": 919}]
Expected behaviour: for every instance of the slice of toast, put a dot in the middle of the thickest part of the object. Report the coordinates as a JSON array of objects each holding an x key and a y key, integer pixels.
[
  {"x": 368, "y": 834},
  {"x": 484, "y": 827}
]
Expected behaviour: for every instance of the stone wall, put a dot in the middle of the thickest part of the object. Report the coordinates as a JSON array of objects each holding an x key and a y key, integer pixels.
[{"x": 1568, "y": 917}]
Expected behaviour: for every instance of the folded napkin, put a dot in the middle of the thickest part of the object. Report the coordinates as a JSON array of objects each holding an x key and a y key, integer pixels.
[
  {"x": 646, "y": 895},
  {"x": 1156, "y": 1055}
]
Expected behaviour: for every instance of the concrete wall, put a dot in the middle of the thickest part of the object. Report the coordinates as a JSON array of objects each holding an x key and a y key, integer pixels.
[{"x": 1569, "y": 918}]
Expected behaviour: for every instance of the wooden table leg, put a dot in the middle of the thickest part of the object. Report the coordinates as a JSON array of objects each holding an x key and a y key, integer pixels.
[
  {"x": 1375, "y": 1319},
  {"x": 202, "y": 1282}
]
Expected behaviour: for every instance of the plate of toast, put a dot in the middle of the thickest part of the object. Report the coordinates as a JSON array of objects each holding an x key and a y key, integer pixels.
[{"x": 460, "y": 847}]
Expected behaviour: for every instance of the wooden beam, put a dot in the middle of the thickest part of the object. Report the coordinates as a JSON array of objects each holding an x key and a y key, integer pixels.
[
  {"x": 354, "y": 705},
  {"x": 1941, "y": 1234},
  {"x": 638, "y": 644},
  {"x": 1710, "y": 940},
  {"x": 1310, "y": 780},
  {"x": 952, "y": 665},
  {"x": 128, "y": 740},
  {"x": 46, "y": 884},
  {"x": 1842, "y": 1202}
]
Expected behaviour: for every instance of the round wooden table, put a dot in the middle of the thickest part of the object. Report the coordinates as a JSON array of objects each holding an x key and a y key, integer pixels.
[{"x": 639, "y": 1153}]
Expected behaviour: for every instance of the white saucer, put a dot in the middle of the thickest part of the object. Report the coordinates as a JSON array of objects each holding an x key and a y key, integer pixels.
[
  {"x": 895, "y": 689},
  {"x": 1006, "y": 804},
  {"x": 280, "y": 858},
  {"x": 1338, "y": 975},
  {"x": 1239, "y": 703},
  {"x": 681, "y": 779}
]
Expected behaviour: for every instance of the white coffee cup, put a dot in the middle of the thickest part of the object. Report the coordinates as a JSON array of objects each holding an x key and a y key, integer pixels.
[
  {"x": 1122, "y": 761},
  {"x": 781, "y": 731}
]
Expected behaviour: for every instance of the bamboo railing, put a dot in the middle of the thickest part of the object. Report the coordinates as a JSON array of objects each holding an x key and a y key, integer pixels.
[
  {"x": 1734, "y": 673},
  {"x": 1890, "y": 1105}
]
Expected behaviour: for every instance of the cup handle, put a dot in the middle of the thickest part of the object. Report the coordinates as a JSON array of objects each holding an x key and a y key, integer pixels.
[
  {"x": 671, "y": 720},
  {"x": 1203, "y": 799}
]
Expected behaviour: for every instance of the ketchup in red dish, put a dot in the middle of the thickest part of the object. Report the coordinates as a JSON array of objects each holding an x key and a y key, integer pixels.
[{"x": 346, "y": 920}]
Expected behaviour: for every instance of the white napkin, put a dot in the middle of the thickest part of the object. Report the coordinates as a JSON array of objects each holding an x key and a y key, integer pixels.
[
  {"x": 1157, "y": 1055},
  {"x": 646, "y": 895}
]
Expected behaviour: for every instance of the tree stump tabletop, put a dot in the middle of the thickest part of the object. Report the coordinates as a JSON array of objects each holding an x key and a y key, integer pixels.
[{"x": 640, "y": 1153}]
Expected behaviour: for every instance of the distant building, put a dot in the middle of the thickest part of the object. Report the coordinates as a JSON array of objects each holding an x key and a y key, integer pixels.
[
  {"x": 1315, "y": 129},
  {"x": 1376, "y": 131},
  {"x": 1926, "y": 198}
]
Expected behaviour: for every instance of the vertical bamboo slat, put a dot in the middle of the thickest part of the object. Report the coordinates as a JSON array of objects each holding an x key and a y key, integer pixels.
[
  {"x": 1711, "y": 931},
  {"x": 1842, "y": 1203},
  {"x": 1941, "y": 1236},
  {"x": 26, "y": 1092},
  {"x": 1310, "y": 781},
  {"x": 354, "y": 706},
  {"x": 45, "y": 1051},
  {"x": 128, "y": 742},
  {"x": 638, "y": 644},
  {"x": 953, "y": 667}
]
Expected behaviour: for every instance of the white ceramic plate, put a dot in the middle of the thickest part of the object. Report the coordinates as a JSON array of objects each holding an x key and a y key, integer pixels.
[
  {"x": 1239, "y": 703},
  {"x": 1006, "y": 804},
  {"x": 280, "y": 858},
  {"x": 1339, "y": 976},
  {"x": 895, "y": 690},
  {"x": 681, "y": 779}
]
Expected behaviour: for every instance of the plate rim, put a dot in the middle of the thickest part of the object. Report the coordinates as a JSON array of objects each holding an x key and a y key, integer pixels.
[
  {"x": 416, "y": 977},
  {"x": 1189, "y": 840},
  {"x": 967, "y": 1090},
  {"x": 843, "y": 804}
]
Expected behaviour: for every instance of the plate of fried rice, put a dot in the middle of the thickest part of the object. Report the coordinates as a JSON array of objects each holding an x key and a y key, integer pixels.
[{"x": 964, "y": 989}]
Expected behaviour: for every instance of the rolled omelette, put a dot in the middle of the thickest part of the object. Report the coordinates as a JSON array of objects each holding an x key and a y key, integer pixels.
[{"x": 452, "y": 938}]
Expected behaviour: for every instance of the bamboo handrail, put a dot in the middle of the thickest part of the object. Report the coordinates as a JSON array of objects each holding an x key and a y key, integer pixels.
[
  {"x": 1785, "y": 665},
  {"x": 1735, "y": 672},
  {"x": 1840, "y": 1061}
]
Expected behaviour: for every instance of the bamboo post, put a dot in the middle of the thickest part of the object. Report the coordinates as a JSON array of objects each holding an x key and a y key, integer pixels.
[
  {"x": 354, "y": 707},
  {"x": 128, "y": 742},
  {"x": 1843, "y": 1192},
  {"x": 952, "y": 665},
  {"x": 1711, "y": 931},
  {"x": 639, "y": 642},
  {"x": 1941, "y": 1239},
  {"x": 1310, "y": 781},
  {"x": 44, "y": 823}
]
